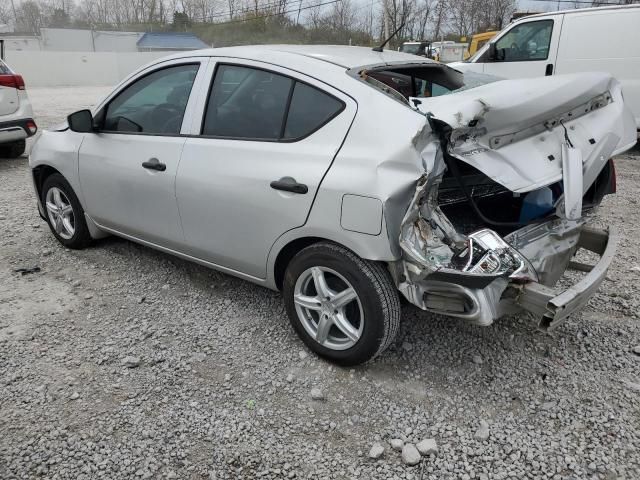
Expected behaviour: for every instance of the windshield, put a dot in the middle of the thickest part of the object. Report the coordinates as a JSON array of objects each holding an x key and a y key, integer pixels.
[{"x": 413, "y": 48}]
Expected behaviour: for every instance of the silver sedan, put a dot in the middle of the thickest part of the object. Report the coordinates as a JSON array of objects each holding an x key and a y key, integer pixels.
[{"x": 347, "y": 178}]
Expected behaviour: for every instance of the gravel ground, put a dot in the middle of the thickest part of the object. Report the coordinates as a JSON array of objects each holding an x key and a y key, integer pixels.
[{"x": 122, "y": 362}]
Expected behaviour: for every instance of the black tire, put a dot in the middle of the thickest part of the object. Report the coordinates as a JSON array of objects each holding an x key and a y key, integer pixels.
[
  {"x": 81, "y": 237},
  {"x": 13, "y": 150},
  {"x": 375, "y": 289}
]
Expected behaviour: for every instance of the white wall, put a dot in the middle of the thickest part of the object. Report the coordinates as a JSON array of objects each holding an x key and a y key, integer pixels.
[
  {"x": 66, "y": 40},
  {"x": 52, "y": 69},
  {"x": 14, "y": 42},
  {"x": 115, "y": 41}
]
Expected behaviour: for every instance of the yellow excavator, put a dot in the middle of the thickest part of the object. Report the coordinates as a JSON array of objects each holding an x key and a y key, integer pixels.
[{"x": 477, "y": 41}]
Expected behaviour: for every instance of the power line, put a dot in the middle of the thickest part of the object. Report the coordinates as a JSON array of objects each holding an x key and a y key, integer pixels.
[
  {"x": 585, "y": 2},
  {"x": 274, "y": 14},
  {"x": 278, "y": 13},
  {"x": 240, "y": 11}
]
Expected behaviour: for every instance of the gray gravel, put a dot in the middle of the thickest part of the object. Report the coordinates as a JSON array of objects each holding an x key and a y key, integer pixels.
[
  {"x": 428, "y": 446},
  {"x": 410, "y": 455},
  {"x": 222, "y": 386}
]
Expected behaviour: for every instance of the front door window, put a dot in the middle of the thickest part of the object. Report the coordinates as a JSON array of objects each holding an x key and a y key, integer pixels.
[
  {"x": 154, "y": 104},
  {"x": 525, "y": 42}
]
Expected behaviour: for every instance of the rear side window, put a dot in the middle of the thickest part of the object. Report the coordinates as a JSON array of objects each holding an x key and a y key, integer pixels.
[
  {"x": 310, "y": 109},
  {"x": 255, "y": 104},
  {"x": 4, "y": 70},
  {"x": 246, "y": 103},
  {"x": 154, "y": 104}
]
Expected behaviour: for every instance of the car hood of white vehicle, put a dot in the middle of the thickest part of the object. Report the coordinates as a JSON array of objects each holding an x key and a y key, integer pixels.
[{"x": 517, "y": 131}]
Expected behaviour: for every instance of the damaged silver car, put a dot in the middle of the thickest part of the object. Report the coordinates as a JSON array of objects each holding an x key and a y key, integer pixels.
[{"x": 347, "y": 178}]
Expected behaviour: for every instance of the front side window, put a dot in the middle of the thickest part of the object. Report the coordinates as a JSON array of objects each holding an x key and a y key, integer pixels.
[
  {"x": 525, "y": 42},
  {"x": 154, "y": 104},
  {"x": 250, "y": 103}
]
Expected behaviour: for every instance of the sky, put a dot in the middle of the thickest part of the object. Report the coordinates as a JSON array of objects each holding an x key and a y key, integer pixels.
[{"x": 532, "y": 5}]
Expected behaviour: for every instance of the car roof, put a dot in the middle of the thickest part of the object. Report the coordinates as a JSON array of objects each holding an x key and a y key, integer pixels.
[
  {"x": 576, "y": 11},
  {"x": 340, "y": 55}
]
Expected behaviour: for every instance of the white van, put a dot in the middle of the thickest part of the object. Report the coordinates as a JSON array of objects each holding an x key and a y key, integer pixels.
[{"x": 605, "y": 39}]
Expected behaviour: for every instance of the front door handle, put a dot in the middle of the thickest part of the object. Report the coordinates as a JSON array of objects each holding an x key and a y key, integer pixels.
[
  {"x": 549, "y": 70},
  {"x": 154, "y": 164},
  {"x": 289, "y": 184}
]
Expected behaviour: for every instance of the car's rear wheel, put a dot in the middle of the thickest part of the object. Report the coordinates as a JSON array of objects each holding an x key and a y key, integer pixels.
[
  {"x": 344, "y": 308},
  {"x": 13, "y": 150},
  {"x": 64, "y": 213}
]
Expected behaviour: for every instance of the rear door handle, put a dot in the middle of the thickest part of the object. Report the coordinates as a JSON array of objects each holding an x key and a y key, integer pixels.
[
  {"x": 289, "y": 184},
  {"x": 154, "y": 164},
  {"x": 549, "y": 70}
]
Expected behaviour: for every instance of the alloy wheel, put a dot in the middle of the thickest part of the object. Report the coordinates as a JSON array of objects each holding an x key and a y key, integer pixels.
[
  {"x": 60, "y": 213},
  {"x": 329, "y": 308}
]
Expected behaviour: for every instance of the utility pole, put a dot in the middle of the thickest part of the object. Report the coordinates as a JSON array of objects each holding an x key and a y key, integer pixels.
[
  {"x": 15, "y": 16},
  {"x": 387, "y": 29},
  {"x": 371, "y": 19}
]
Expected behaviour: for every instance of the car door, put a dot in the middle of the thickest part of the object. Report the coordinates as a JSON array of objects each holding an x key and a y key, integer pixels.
[
  {"x": 527, "y": 49},
  {"x": 254, "y": 163},
  {"x": 127, "y": 168}
]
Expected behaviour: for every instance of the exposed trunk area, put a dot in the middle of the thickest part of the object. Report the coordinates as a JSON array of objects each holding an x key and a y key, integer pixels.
[
  {"x": 494, "y": 201},
  {"x": 503, "y": 206},
  {"x": 511, "y": 169}
]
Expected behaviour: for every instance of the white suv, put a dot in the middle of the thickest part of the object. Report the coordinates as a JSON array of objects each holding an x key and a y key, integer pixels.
[{"x": 16, "y": 115}]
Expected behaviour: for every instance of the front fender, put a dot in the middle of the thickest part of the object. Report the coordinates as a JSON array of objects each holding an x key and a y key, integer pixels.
[{"x": 59, "y": 150}]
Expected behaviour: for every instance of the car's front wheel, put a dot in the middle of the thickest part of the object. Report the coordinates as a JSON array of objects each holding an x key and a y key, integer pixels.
[
  {"x": 344, "y": 308},
  {"x": 64, "y": 213}
]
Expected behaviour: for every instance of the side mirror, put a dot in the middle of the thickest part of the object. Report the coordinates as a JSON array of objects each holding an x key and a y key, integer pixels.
[{"x": 81, "y": 121}]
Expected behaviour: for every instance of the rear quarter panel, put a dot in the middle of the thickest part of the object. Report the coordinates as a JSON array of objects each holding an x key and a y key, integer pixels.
[
  {"x": 9, "y": 101},
  {"x": 380, "y": 160}
]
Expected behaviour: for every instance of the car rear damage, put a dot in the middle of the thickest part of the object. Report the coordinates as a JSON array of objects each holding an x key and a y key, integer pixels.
[{"x": 513, "y": 171}]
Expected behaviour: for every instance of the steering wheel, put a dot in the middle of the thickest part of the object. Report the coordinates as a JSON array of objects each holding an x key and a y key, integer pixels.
[{"x": 515, "y": 47}]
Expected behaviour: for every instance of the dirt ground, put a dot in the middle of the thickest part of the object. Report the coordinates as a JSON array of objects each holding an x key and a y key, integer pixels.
[{"x": 122, "y": 362}]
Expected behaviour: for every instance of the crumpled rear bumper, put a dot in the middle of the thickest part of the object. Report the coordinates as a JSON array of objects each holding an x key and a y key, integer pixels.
[{"x": 554, "y": 306}]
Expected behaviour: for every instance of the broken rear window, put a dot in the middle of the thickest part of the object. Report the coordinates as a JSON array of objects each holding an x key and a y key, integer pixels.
[{"x": 405, "y": 82}]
